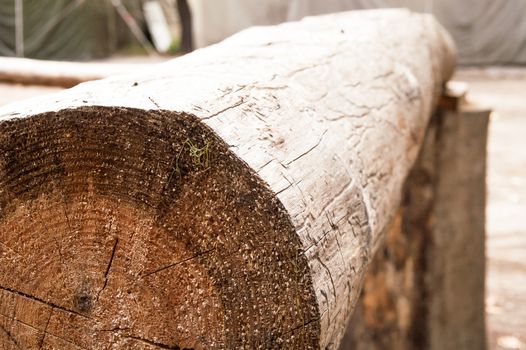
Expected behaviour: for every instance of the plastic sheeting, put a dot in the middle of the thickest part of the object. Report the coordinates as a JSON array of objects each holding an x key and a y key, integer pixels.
[
  {"x": 60, "y": 29},
  {"x": 485, "y": 31}
]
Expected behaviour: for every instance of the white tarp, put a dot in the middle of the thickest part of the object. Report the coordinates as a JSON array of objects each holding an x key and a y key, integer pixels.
[{"x": 485, "y": 31}]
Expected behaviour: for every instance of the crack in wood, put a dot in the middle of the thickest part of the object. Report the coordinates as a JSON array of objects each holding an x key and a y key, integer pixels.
[
  {"x": 264, "y": 165},
  {"x": 330, "y": 276},
  {"x": 67, "y": 341},
  {"x": 237, "y": 104},
  {"x": 309, "y": 150},
  {"x": 328, "y": 304},
  {"x": 108, "y": 268},
  {"x": 45, "y": 330},
  {"x": 10, "y": 337},
  {"x": 284, "y": 189},
  {"x": 302, "y": 325},
  {"x": 13, "y": 318},
  {"x": 111, "y": 259},
  {"x": 41, "y": 301},
  {"x": 315, "y": 242},
  {"x": 179, "y": 262},
  {"x": 115, "y": 329},
  {"x": 155, "y": 103}
]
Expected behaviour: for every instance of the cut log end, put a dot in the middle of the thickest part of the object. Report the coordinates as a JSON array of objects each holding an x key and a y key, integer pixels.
[{"x": 169, "y": 241}]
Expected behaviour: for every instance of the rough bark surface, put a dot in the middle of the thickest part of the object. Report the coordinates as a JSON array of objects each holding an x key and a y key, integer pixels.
[
  {"x": 230, "y": 198},
  {"x": 425, "y": 288}
]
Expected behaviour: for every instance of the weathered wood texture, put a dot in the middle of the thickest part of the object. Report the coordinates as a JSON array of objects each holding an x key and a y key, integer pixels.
[
  {"x": 425, "y": 288},
  {"x": 230, "y": 198}
]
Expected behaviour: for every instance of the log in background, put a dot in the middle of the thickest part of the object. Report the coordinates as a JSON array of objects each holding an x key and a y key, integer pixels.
[{"x": 230, "y": 198}]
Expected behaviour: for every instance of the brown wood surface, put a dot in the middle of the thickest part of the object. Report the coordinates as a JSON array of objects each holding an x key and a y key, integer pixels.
[{"x": 230, "y": 198}]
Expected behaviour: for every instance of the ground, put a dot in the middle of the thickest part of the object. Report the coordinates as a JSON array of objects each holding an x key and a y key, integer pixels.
[{"x": 504, "y": 90}]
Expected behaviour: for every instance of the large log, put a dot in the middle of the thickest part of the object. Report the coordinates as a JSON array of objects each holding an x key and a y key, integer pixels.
[{"x": 229, "y": 198}]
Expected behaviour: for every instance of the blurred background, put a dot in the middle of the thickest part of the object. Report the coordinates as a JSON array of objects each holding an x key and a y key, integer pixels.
[
  {"x": 486, "y": 31},
  {"x": 115, "y": 36}
]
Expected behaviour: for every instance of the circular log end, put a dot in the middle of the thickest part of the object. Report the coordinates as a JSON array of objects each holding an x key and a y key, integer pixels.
[{"x": 124, "y": 228}]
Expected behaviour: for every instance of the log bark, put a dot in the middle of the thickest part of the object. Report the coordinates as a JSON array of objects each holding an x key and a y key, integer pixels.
[{"x": 229, "y": 198}]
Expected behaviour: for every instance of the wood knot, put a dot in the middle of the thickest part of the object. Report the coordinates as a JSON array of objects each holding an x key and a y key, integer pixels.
[{"x": 83, "y": 301}]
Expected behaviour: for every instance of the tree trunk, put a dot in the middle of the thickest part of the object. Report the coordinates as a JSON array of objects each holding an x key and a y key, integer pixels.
[{"x": 229, "y": 198}]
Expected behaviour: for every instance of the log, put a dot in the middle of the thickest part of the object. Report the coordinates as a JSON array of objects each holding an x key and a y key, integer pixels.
[
  {"x": 230, "y": 198},
  {"x": 59, "y": 73}
]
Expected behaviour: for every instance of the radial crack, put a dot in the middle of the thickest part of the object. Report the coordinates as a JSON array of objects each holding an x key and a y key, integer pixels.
[
  {"x": 31, "y": 297},
  {"x": 44, "y": 332},
  {"x": 10, "y": 336},
  {"x": 179, "y": 262},
  {"x": 108, "y": 268}
]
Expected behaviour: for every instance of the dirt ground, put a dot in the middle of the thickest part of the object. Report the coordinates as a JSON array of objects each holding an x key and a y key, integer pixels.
[{"x": 504, "y": 90}]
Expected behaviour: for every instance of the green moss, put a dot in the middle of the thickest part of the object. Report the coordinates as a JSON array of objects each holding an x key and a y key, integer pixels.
[{"x": 200, "y": 156}]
